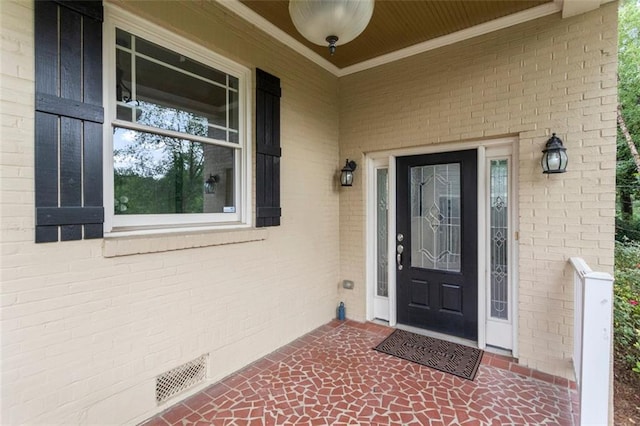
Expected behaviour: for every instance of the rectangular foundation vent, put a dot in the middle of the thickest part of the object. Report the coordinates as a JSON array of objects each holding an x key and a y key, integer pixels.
[{"x": 180, "y": 378}]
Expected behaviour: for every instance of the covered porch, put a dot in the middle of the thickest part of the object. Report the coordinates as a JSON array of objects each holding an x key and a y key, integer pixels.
[
  {"x": 114, "y": 301},
  {"x": 332, "y": 376}
]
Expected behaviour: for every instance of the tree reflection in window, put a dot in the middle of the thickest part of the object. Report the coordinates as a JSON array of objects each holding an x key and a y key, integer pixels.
[{"x": 160, "y": 174}]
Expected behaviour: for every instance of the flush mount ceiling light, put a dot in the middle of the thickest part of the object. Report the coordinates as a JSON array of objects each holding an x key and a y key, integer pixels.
[{"x": 335, "y": 22}]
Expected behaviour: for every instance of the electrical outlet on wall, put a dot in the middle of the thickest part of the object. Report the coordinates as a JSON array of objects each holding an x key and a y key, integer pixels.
[{"x": 348, "y": 284}]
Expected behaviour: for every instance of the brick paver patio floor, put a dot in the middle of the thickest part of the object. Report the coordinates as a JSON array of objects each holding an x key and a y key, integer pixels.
[{"x": 332, "y": 376}]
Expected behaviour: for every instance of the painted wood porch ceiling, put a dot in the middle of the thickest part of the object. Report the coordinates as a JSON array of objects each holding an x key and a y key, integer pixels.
[
  {"x": 401, "y": 28},
  {"x": 397, "y": 25}
]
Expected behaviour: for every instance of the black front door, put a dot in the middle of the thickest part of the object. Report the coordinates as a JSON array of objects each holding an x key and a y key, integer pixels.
[{"x": 437, "y": 242}]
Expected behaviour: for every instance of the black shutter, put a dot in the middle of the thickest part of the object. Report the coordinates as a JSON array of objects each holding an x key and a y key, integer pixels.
[
  {"x": 68, "y": 120},
  {"x": 268, "y": 150}
]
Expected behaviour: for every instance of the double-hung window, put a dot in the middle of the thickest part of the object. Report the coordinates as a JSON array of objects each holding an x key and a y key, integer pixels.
[{"x": 177, "y": 151}]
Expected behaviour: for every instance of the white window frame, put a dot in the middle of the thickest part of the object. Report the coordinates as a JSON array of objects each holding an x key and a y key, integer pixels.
[{"x": 116, "y": 17}]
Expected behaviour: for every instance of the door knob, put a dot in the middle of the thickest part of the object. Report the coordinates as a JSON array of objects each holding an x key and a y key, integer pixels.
[{"x": 399, "y": 250}]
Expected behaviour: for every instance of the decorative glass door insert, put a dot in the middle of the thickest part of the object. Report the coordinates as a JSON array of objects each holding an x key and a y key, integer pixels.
[
  {"x": 382, "y": 207},
  {"x": 499, "y": 233},
  {"x": 435, "y": 217}
]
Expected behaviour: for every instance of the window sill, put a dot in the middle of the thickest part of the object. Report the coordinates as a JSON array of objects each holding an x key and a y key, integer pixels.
[{"x": 126, "y": 245}]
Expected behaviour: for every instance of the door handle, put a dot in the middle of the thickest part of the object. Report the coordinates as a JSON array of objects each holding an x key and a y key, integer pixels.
[{"x": 399, "y": 250}]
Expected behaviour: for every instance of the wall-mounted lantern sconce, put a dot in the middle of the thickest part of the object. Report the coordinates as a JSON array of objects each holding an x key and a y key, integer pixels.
[
  {"x": 122, "y": 97},
  {"x": 210, "y": 184},
  {"x": 554, "y": 156},
  {"x": 346, "y": 175}
]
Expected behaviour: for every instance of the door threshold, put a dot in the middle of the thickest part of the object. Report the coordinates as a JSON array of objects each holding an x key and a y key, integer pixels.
[
  {"x": 453, "y": 339},
  {"x": 499, "y": 351},
  {"x": 436, "y": 335}
]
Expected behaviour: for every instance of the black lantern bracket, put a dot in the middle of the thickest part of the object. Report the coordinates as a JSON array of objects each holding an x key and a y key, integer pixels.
[
  {"x": 346, "y": 174},
  {"x": 554, "y": 156},
  {"x": 210, "y": 184}
]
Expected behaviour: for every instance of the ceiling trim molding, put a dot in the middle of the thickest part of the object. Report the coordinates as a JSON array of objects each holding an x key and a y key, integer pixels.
[
  {"x": 467, "y": 33},
  {"x": 252, "y": 17}
]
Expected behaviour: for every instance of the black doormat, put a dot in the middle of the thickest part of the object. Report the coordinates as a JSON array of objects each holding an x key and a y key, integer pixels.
[{"x": 463, "y": 361}]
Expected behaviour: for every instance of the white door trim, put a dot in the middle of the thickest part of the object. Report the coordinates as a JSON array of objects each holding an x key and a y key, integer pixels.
[
  {"x": 377, "y": 159},
  {"x": 393, "y": 311},
  {"x": 482, "y": 236}
]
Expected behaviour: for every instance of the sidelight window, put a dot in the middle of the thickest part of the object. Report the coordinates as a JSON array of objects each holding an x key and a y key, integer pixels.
[{"x": 499, "y": 235}]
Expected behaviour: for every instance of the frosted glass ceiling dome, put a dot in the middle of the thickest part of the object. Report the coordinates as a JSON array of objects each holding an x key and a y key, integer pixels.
[{"x": 335, "y": 22}]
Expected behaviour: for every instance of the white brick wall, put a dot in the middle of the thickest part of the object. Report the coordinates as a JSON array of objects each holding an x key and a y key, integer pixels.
[
  {"x": 83, "y": 335},
  {"x": 547, "y": 75}
]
